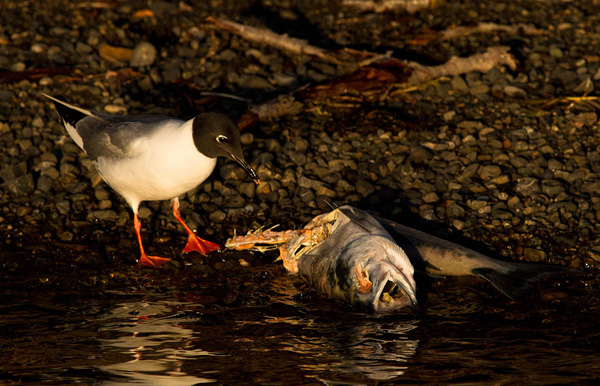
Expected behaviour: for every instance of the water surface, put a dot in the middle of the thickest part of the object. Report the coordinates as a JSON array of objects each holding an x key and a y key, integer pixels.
[{"x": 262, "y": 326}]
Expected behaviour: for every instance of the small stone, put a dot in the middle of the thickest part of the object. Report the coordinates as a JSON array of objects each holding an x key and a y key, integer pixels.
[
  {"x": 454, "y": 210},
  {"x": 115, "y": 109},
  {"x": 458, "y": 224},
  {"x": 513, "y": 202},
  {"x": 63, "y": 206},
  {"x": 305, "y": 182},
  {"x": 431, "y": 197},
  {"x": 217, "y": 216},
  {"x": 458, "y": 83},
  {"x": 477, "y": 204},
  {"x": 143, "y": 54},
  {"x": 325, "y": 191},
  {"x": 488, "y": 172},
  {"x": 247, "y": 138},
  {"x": 247, "y": 189},
  {"x": 479, "y": 89},
  {"x": 144, "y": 212},
  {"x": 102, "y": 215},
  {"x": 18, "y": 67},
  {"x": 535, "y": 255},
  {"x": 45, "y": 183},
  {"x": 556, "y": 52},
  {"x": 467, "y": 173},
  {"x": 528, "y": 186},
  {"x": 46, "y": 81},
  {"x": 232, "y": 171},
  {"x": 105, "y": 204},
  {"x": 514, "y": 92},
  {"x": 552, "y": 188},
  {"x": 254, "y": 82},
  {"x": 584, "y": 119},
  {"x": 448, "y": 115},
  {"x": 501, "y": 180},
  {"x": 364, "y": 188},
  {"x": 19, "y": 186}
]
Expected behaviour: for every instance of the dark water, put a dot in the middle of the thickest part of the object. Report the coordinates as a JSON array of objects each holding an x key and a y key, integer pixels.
[{"x": 263, "y": 327}]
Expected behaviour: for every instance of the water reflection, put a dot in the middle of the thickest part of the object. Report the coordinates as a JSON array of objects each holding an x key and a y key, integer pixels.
[
  {"x": 258, "y": 329},
  {"x": 150, "y": 334},
  {"x": 377, "y": 351},
  {"x": 271, "y": 338}
]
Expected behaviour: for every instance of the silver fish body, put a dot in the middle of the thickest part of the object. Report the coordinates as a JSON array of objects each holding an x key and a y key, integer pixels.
[
  {"x": 439, "y": 257},
  {"x": 358, "y": 262}
]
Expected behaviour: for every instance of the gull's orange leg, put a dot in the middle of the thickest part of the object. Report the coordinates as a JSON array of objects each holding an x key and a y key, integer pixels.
[
  {"x": 194, "y": 242},
  {"x": 152, "y": 261}
]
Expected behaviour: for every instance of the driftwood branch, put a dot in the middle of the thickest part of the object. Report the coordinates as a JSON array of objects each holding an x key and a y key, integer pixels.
[
  {"x": 265, "y": 36},
  {"x": 516, "y": 29},
  {"x": 377, "y": 79},
  {"x": 483, "y": 62},
  {"x": 367, "y": 73},
  {"x": 380, "y": 6}
]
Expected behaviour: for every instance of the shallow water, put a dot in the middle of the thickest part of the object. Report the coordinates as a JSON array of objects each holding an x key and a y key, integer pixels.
[{"x": 264, "y": 327}]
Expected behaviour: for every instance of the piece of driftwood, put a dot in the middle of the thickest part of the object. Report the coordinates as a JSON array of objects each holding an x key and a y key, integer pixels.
[
  {"x": 377, "y": 79},
  {"x": 367, "y": 73},
  {"x": 513, "y": 29},
  {"x": 265, "y": 36},
  {"x": 483, "y": 62},
  {"x": 380, "y": 6}
]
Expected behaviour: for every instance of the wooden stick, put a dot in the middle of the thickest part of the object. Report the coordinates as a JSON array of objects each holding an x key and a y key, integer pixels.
[
  {"x": 483, "y": 62},
  {"x": 460, "y": 31},
  {"x": 265, "y": 36},
  {"x": 380, "y": 6}
]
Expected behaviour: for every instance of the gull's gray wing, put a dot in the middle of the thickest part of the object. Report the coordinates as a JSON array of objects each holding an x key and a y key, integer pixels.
[{"x": 112, "y": 136}]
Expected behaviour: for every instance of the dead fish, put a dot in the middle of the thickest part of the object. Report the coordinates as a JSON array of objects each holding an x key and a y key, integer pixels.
[
  {"x": 346, "y": 255},
  {"x": 440, "y": 257},
  {"x": 322, "y": 258}
]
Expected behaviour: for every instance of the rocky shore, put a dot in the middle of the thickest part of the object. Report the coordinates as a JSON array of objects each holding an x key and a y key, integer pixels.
[{"x": 504, "y": 161}]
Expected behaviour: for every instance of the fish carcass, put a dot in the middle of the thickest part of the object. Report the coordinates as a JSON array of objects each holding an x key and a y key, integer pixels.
[{"x": 346, "y": 255}]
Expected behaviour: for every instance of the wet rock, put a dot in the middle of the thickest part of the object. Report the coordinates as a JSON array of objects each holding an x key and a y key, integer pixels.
[
  {"x": 528, "y": 186},
  {"x": 232, "y": 171},
  {"x": 488, "y": 172},
  {"x": 102, "y": 215},
  {"x": 552, "y": 187},
  {"x": 254, "y": 82},
  {"x": 19, "y": 186},
  {"x": 532, "y": 254},
  {"x": 45, "y": 183},
  {"x": 143, "y": 54},
  {"x": 364, "y": 188}
]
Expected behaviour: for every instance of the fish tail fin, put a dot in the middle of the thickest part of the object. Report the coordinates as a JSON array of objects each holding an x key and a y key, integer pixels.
[{"x": 518, "y": 279}]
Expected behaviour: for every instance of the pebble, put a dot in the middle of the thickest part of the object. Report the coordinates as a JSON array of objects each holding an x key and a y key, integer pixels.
[
  {"x": 528, "y": 186},
  {"x": 143, "y": 54}
]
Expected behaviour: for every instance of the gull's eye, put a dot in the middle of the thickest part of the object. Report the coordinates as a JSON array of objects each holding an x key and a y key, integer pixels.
[{"x": 222, "y": 139}]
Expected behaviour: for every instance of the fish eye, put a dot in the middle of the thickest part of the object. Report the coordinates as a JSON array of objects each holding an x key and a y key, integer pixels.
[{"x": 222, "y": 139}]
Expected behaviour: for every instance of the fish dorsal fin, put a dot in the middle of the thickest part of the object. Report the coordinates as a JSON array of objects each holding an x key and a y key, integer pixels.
[{"x": 356, "y": 218}]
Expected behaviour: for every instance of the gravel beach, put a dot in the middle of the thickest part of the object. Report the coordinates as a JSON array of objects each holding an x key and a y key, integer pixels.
[{"x": 504, "y": 161}]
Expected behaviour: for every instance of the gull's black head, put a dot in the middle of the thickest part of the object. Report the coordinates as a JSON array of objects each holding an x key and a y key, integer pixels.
[{"x": 215, "y": 135}]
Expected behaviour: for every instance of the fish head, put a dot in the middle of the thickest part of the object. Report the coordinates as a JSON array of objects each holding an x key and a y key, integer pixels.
[{"x": 385, "y": 280}]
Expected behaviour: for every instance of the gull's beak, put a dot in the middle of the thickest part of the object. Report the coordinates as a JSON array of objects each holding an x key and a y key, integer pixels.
[{"x": 246, "y": 167}]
